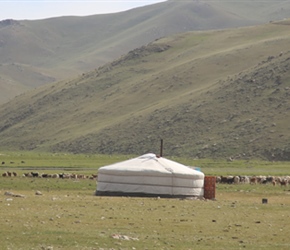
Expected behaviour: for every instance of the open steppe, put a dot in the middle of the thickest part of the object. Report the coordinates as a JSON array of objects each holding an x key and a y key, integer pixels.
[{"x": 65, "y": 213}]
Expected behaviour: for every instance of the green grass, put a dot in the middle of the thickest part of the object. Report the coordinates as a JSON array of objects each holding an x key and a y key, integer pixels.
[
  {"x": 68, "y": 216},
  {"x": 73, "y": 218},
  {"x": 78, "y": 49},
  {"x": 42, "y": 160},
  {"x": 24, "y": 161},
  {"x": 126, "y": 106}
]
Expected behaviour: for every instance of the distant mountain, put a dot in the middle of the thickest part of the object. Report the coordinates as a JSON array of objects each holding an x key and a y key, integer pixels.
[
  {"x": 33, "y": 53},
  {"x": 222, "y": 93}
]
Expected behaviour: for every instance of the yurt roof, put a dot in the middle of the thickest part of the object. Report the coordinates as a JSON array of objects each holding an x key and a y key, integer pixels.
[{"x": 150, "y": 164}]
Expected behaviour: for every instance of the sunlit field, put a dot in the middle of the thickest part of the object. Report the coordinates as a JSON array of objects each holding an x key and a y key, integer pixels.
[{"x": 48, "y": 213}]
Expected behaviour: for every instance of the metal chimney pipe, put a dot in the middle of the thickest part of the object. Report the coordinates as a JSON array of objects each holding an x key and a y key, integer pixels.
[{"x": 161, "y": 147}]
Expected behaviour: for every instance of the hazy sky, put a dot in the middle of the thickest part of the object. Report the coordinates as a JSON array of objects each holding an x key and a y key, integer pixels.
[{"x": 40, "y": 9}]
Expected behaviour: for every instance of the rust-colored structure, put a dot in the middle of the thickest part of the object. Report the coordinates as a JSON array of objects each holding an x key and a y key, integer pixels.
[{"x": 209, "y": 187}]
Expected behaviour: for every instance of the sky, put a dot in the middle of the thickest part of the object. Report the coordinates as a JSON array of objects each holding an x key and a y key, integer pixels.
[{"x": 41, "y": 9}]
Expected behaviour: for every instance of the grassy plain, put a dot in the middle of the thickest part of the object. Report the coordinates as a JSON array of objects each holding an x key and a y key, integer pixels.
[
  {"x": 68, "y": 216},
  {"x": 23, "y": 161}
]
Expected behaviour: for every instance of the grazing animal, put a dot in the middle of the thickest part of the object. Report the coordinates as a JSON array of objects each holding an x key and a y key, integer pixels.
[
  {"x": 27, "y": 175},
  {"x": 237, "y": 179},
  {"x": 270, "y": 179},
  {"x": 244, "y": 179},
  {"x": 74, "y": 176},
  {"x": 218, "y": 179},
  {"x": 253, "y": 180},
  {"x": 230, "y": 179},
  {"x": 264, "y": 181},
  {"x": 35, "y": 174},
  {"x": 224, "y": 179},
  {"x": 284, "y": 183}
]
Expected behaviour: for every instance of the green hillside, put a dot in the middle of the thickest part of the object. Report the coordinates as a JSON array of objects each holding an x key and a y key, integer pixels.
[
  {"x": 221, "y": 93},
  {"x": 33, "y": 53}
]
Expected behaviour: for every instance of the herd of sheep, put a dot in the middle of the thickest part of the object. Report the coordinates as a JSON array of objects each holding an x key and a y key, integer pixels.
[
  {"x": 44, "y": 175},
  {"x": 273, "y": 180}
]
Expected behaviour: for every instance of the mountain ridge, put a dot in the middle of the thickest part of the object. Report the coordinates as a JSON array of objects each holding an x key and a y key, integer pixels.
[
  {"x": 222, "y": 93},
  {"x": 33, "y": 53}
]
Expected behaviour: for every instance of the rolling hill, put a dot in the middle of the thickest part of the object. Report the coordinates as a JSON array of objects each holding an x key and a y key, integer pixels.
[
  {"x": 218, "y": 93},
  {"x": 33, "y": 53}
]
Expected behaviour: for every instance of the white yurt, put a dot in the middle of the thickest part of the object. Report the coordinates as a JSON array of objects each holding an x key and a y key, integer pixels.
[{"x": 149, "y": 175}]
